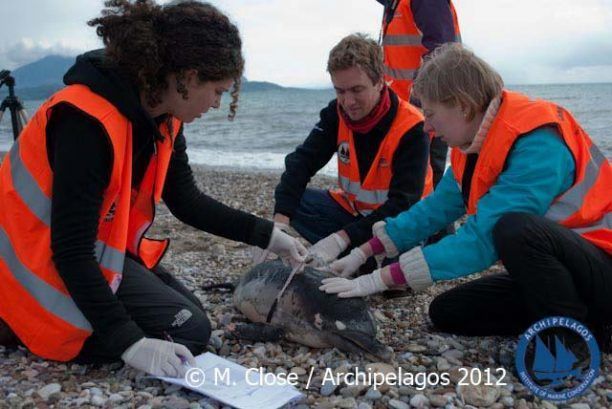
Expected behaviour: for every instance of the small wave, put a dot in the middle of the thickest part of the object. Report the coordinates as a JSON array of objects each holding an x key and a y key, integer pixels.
[{"x": 250, "y": 160}]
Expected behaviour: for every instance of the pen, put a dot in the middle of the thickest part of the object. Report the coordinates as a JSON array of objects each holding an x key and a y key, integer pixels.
[{"x": 181, "y": 357}]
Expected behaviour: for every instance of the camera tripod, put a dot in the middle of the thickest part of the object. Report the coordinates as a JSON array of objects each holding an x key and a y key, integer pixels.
[{"x": 18, "y": 115}]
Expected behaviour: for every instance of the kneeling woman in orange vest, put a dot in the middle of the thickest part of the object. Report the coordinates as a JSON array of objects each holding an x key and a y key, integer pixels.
[
  {"x": 78, "y": 191},
  {"x": 536, "y": 191}
]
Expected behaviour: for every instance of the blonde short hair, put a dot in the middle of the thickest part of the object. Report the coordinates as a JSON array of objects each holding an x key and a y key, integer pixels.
[
  {"x": 357, "y": 50},
  {"x": 453, "y": 75}
]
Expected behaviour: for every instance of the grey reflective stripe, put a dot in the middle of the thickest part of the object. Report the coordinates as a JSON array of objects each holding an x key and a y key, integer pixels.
[
  {"x": 371, "y": 197},
  {"x": 50, "y": 298},
  {"x": 109, "y": 257},
  {"x": 404, "y": 39},
  {"x": 399, "y": 74},
  {"x": 572, "y": 200},
  {"x": 27, "y": 187},
  {"x": 139, "y": 233},
  {"x": 604, "y": 223},
  {"x": 40, "y": 205}
]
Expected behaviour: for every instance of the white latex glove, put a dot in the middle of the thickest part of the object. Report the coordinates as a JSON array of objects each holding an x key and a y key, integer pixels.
[
  {"x": 359, "y": 287},
  {"x": 158, "y": 357},
  {"x": 327, "y": 249},
  {"x": 287, "y": 229},
  {"x": 286, "y": 246},
  {"x": 346, "y": 266}
]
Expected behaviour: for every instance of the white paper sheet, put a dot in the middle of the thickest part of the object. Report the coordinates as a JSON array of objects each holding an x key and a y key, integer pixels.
[{"x": 234, "y": 385}]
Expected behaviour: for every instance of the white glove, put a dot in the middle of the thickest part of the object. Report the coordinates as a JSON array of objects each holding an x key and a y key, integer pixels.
[
  {"x": 285, "y": 228},
  {"x": 327, "y": 249},
  {"x": 358, "y": 287},
  {"x": 158, "y": 357},
  {"x": 346, "y": 266},
  {"x": 286, "y": 246}
]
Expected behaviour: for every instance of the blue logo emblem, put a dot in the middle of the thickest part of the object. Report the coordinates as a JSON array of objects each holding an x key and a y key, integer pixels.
[{"x": 557, "y": 358}]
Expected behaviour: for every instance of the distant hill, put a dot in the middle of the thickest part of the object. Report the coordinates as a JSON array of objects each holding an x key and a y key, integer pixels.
[
  {"x": 47, "y": 71},
  {"x": 40, "y": 79}
]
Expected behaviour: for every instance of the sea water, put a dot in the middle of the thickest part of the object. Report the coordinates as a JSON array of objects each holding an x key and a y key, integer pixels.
[{"x": 270, "y": 124}]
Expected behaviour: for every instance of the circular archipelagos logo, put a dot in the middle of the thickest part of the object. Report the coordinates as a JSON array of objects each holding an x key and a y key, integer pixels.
[
  {"x": 343, "y": 153},
  {"x": 557, "y": 358}
]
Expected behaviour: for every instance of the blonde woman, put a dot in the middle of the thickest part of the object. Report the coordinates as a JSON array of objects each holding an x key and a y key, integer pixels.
[{"x": 536, "y": 191}]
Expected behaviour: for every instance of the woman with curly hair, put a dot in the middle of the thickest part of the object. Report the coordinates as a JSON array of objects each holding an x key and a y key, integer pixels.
[{"x": 78, "y": 192}]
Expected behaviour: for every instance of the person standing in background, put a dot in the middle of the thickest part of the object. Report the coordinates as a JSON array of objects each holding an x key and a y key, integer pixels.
[{"x": 411, "y": 29}]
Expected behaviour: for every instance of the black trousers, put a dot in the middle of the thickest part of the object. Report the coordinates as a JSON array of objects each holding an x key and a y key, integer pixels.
[
  {"x": 551, "y": 271},
  {"x": 160, "y": 305}
]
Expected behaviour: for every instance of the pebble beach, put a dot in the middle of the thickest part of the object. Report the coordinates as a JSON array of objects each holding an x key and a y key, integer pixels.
[{"x": 199, "y": 259}]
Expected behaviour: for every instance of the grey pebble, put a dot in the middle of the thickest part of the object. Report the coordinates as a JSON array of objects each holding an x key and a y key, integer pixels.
[
  {"x": 373, "y": 394},
  {"x": 419, "y": 401},
  {"x": 398, "y": 404},
  {"x": 216, "y": 342},
  {"x": 328, "y": 388},
  {"x": 98, "y": 400},
  {"x": 580, "y": 406},
  {"x": 46, "y": 391},
  {"x": 116, "y": 398}
]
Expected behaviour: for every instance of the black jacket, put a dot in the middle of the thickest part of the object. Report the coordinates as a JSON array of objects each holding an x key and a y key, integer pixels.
[
  {"x": 80, "y": 154},
  {"x": 409, "y": 167}
]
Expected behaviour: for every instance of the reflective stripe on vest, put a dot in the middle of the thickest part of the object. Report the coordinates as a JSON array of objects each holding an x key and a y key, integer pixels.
[
  {"x": 48, "y": 296},
  {"x": 586, "y": 207},
  {"x": 572, "y": 199},
  {"x": 402, "y": 42},
  {"x": 400, "y": 74},
  {"x": 40, "y": 205},
  {"x": 371, "y": 197},
  {"x": 402, "y": 39},
  {"x": 357, "y": 198},
  {"x": 34, "y": 300}
]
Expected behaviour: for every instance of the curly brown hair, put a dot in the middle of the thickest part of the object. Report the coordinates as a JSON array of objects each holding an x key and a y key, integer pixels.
[{"x": 149, "y": 42}]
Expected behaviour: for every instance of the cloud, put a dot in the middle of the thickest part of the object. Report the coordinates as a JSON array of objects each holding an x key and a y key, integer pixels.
[
  {"x": 287, "y": 41},
  {"x": 27, "y": 50},
  {"x": 549, "y": 41},
  {"x": 588, "y": 53}
]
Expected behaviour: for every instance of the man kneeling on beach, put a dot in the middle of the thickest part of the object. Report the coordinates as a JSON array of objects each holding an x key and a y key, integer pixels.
[{"x": 382, "y": 156}]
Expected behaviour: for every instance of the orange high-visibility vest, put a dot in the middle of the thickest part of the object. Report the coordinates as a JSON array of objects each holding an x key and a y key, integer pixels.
[
  {"x": 357, "y": 198},
  {"x": 403, "y": 47},
  {"x": 586, "y": 206},
  {"x": 34, "y": 301}
]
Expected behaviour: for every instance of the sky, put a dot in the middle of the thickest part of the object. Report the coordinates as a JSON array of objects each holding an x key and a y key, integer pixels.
[{"x": 287, "y": 41}]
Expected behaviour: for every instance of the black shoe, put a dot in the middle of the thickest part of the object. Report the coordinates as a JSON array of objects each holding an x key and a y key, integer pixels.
[
  {"x": 603, "y": 336},
  {"x": 7, "y": 336},
  {"x": 389, "y": 294}
]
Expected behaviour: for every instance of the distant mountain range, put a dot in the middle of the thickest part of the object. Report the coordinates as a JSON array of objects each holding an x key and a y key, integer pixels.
[{"x": 39, "y": 79}]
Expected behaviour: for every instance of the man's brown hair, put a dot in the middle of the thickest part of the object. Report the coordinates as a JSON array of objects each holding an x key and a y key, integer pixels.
[{"x": 357, "y": 50}]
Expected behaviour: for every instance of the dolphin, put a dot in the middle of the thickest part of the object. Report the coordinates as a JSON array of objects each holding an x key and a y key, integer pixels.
[{"x": 304, "y": 314}]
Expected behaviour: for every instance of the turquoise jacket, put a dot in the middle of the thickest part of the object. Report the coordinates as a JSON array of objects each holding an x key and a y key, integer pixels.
[{"x": 538, "y": 169}]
